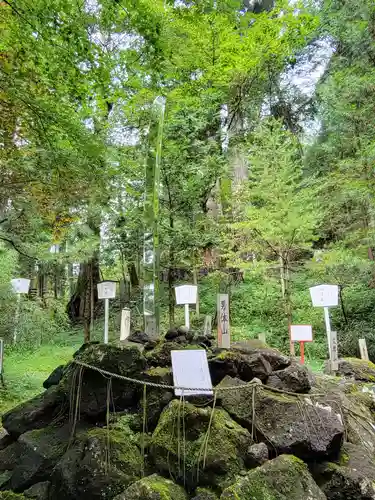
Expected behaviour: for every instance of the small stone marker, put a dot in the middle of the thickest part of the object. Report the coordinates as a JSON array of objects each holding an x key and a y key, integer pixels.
[
  {"x": 125, "y": 324},
  {"x": 301, "y": 334},
  {"x": 223, "y": 326},
  {"x": 190, "y": 369},
  {"x": 262, "y": 337},
  {"x": 334, "y": 353},
  {"x": 363, "y": 349},
  {"x": 207, "y": 325}
]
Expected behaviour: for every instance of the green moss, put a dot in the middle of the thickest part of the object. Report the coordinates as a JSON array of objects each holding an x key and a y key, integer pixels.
[
  {"x": 9, "y": 495},
  {"x": 154, "y": 488},
  {"x": 225, "y": 452},
  {"x": 284, "y": 478},
  {"x": 158, "y": 371}
]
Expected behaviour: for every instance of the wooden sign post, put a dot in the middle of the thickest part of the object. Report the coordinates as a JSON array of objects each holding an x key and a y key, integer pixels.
[
  {"x": 20, "y": 286},
  {"x": 363, "y": 349},
  {"x": 185, "y": 295},
  {"x": 106, "y": 291},
  {"x": 223, "y": 325},
  {"x": 326, "y": 296},
  {"x": 301, "y": 334},
  {"x": 262, "y": 337}
]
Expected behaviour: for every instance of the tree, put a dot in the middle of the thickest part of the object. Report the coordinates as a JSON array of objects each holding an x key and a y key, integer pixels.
[{"x": 277, "y": 215}]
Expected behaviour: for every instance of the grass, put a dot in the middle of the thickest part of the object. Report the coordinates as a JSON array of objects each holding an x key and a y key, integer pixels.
[{"x": 25, "y": 371}]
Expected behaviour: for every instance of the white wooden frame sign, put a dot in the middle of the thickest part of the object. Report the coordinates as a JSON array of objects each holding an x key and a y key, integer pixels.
[
  {"x": 301, "y": 334},
  {"x": 326, "y": 296},
  {"x": 185, "y": 295},
  {"x": 190, "y": 369},
  {"x": 106, "y": 291}
]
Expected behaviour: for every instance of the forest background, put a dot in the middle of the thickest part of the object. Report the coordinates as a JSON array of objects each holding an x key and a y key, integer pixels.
[{"x": 266, "y": 175}]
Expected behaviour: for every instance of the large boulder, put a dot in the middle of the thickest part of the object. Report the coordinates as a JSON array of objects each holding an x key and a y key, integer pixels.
[
  {"x": 352, "y": 478},
  {"x": 99, "y": 465},
  {"x": 287, "y": 424},
  {"x": 35, "y": 413},
  {"x": 235, "y": 363},
  {"x": 55, "y": 377},
  {"x": 39, "y": 491},
  {"x": 93, "y": 387},
  {"x": 197, "y": 446},
  {"x": 277, "y": 360},
  {"x": 294, "y": 378},
  {"x": 284, "y": 478},
  {"x": 37, "y": 452},
  {"x": 358, "y": 369},
  {"x": 153, "y": 488},
  {"x": 355, "y": 407}
]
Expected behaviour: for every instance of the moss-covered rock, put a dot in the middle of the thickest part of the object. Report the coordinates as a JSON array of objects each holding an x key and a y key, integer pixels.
[
  {"x": 355, "y": 407},
  {"x": 204, "y": 494},
  {"x": 284, "y": 478},
  {"x": 127, "y": 361},
  {"x": 257, "y": 455},
  {"x": 161, "y": 354},
  {"x": 99, "y": 465},
  {"x": 38, "y": 451},
  {"x": 356, "y": 368},
  {"x": 154, "y": 488},
  {"x": 351, "y": 478},
  {"x": 39, "y": 491},
  {"x": 35, "y": 413},
  {"x": 287, "y": 424},
  {"x": 181, "y": 446},
  {"x": 157, "y": 398}
]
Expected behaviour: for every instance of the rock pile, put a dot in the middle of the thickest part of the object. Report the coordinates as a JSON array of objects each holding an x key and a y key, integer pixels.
[{"x": 278, "y": 433}]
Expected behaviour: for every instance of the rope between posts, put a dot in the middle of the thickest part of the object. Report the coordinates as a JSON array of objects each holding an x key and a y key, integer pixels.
[{"x": 252, "y": 383}]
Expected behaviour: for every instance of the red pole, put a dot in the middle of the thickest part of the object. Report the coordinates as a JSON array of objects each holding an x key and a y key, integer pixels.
[{"x": 302, "y": 348}]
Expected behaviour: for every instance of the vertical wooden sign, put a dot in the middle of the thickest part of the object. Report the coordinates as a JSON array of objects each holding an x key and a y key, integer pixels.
[
  {"x": 334, "y": 352},
  {"x": 262, "y": 337},
  {"x": 223, "y": 326},
  {"x": 363, "y": 349}
]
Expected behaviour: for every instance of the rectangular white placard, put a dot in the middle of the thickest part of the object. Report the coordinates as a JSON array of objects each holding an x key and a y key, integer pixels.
[
  {"x": 186, "y": 294},
  {"x": 20, "y": 285},
  {"x": 325, "y": 295},
  {"x": 301, "y": 333},
  {"x": 107, "y": 290},
  {"x": 190, "y": 369}
]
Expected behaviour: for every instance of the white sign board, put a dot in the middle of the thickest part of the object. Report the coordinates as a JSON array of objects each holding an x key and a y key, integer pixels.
[
  {"x": 20, "y": 285},
  {"x": 325, "y": 295},
  {"x": 190, "y": 369},
  {"x": 107, "y": 290},
  {"x": 223, "y": 326},
  {"x": 186, "y": 294},
  {"x": 301, "y": 333}
]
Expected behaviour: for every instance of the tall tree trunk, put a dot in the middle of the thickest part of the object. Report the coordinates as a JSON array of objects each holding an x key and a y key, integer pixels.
[{"x": 81, "y": 307}]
